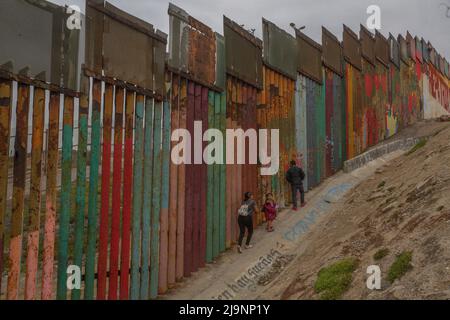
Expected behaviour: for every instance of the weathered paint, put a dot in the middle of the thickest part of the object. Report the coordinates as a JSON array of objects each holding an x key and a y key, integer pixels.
[
  {"x": 174, "y": 187},
  {"x": 210, "y": 196},
  {"x": 147, "y": 198},
  {"x": 182, "y": 175},
  {"x": 34, "y": 205},
  {"x": 137, "y": 198},
  {"x": 156, "y": 200},
  {"x": 165, "y": 187},
  {"x": 51, "y": 196},
  {"x": 65, "y": 198},
  {"x": 105, "y": 199},
  {"x": 116, "y": 194},
  {"x": 127, "y": 191},
  {"x": 23, "y": 96},
  {"x": 80, "y": 200},
  {"x": 93, "y": 191},
  {"x": 301, "y": 127}
]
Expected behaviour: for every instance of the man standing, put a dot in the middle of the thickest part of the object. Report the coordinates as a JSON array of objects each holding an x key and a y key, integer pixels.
[{"x": 295, "y": 176}]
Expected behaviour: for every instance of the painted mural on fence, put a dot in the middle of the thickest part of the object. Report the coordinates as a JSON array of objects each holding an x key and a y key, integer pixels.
[{"x": 113, "y": 204}]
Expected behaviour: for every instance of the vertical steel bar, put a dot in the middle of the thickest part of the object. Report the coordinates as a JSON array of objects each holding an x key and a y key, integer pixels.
[
  {"x": 93, "y": 191},
  {"x": 165, "y": 190},
  {"x": 203, "y": 181},
  {"x": 105, "y": 199},
  {"x": 147, "y": 198},
  {"x": 210, "y": 189},
  {"x": 65, "y": 198},
  {"x": 174, "y": 194},
  {"x": 116, "y": 194},
  {"x": 156, "y": 201},
  {"x": 51, "y": 197},
  {"x": 221, "y": 177},
  {"x": 35, "y": 194},
  {"x": 20, "y": 163},
  {"x": 181, "y": 209},
  {"x": 127, "y": 191},
  {"x": 137, "y": 196},
  {"x": 189, "y": 216},
  {"x": 80, "y": 200}
]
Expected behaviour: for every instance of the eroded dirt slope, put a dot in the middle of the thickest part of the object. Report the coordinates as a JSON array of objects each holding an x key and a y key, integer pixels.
[{"x": 404, "y": 206}]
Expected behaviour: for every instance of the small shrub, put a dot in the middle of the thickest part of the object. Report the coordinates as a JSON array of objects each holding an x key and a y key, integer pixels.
[
  {"x": 334, "y": 280},
  {"x": 380, "y": 254},
  {"x": 420, "y": 144},
  {"x": 381, "y": 185},
  {"x": 400, "y": 266}
]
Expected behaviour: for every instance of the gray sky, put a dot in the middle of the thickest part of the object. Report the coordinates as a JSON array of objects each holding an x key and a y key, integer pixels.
[{"x": 425, "y": 19}]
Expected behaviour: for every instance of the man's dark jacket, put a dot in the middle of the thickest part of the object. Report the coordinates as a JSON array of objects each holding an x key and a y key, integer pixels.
[{"x": 295, "y": 175}]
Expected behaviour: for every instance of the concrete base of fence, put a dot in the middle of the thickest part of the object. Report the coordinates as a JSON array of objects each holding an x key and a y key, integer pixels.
[{"x": 379, "y": 151}]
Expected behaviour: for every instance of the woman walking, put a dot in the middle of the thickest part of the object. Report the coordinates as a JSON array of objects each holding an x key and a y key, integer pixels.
[{"x": 245, "y": 220}]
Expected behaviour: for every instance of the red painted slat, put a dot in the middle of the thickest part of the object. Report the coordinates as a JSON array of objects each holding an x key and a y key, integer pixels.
[
  {"x": 104, "y": 213},
  {"x": 127, "y": 191},
  {"x": 116, "y": 195}
]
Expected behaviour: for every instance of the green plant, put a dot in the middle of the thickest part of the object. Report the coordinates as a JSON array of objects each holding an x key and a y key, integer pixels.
[
  {"x": 381, "y": 185},
  {"x": 400, "y": 266},
  {"x": 420, "y": 144},
  {"x": 334, "y": 280},
  {"x": 380, "y": 254}
]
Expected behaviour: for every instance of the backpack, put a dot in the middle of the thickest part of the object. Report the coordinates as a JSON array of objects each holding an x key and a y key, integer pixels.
[{"x": 243, "y": 210}]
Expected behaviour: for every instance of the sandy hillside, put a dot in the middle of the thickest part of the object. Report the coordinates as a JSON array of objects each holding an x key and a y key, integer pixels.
[{"x": 404, "y": 206}]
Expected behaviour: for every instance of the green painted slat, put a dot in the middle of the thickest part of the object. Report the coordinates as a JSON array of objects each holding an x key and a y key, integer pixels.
[
  {"x": 165, "y": 167},
  {"x": 222, "y": 168},
  {"x": 156, "y": 201},
  {"x": 93, "y": 191},
  {"x": 210, "y": 187},
  {"x": 147, "y": 197},
  {"x": 137, "y": 197},
  {"x": 64, "y": 214},
  {"x": 80, "y": 200}
]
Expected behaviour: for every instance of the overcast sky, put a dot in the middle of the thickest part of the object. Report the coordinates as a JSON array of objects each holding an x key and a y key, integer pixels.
[{"x": 425, "y": 19}]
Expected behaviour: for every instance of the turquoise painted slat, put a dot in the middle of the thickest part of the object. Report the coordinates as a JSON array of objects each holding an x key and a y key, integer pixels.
[
  {"x": 210, "y": 189},
  {"x": 93, "y": 191},
  {"x": 147, "y": 197},
  {"x": 80, "y": 200},
  {"x": 222, "y": 175},
  {"x": 301, "y": 126},
  {"x": 165, "y": 163},
  {"x": 137, "y": 197},
  {"x": 156, "y": 202},
  {"x": 64, "y": 215}
]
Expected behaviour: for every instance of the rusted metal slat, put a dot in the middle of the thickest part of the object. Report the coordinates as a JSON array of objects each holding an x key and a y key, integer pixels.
[
  {"x": 21, "y": 144},
  {"x": 137, "y": 197},
  {"x": 35, "y": 194},
  {"x": 174, "y": 187},
  {"x": 105, "y": 199},
  {"x": 65, "y": 198},
  {"x": 127, "y": 192},
  {"x": 189, "y": 194},
  {"x": 156, "y": 200},
  {"x": 182, "y": 174},
  {"x": 51, "y": 197},
  {"x": 93, "y": 191},
  {"x": 80, "y": 200},
  {"x": 116, "y": 194},
  {"x": 147, "y": 197}
]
